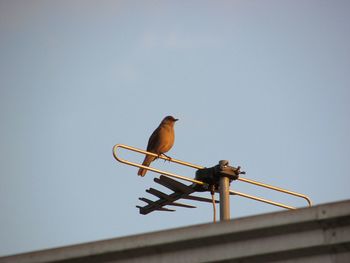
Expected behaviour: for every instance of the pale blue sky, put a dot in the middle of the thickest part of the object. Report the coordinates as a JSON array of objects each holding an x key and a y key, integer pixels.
[{"x": 264, "y": 84}]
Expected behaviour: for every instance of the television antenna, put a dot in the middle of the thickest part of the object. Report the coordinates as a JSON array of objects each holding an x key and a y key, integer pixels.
[{"x": 213, "y": 179}]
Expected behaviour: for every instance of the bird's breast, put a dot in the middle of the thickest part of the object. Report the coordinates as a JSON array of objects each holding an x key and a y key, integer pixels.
[{"x": 166, "y": 138}]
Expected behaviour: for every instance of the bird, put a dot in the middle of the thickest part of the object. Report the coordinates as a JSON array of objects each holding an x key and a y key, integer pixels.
[{"x": 160, "y": 142}]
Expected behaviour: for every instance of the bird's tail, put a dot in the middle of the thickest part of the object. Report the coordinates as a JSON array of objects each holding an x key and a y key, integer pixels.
[{"x": 146, "y": 162}]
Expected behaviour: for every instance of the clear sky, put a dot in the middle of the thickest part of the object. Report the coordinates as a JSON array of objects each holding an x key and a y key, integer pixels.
[{"x": 264, "y": 84}]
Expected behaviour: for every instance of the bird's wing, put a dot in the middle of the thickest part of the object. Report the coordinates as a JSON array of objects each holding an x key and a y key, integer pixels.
[{"x": 154, "y": 140}]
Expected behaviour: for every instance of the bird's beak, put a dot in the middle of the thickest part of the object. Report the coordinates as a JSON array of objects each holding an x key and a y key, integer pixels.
[{"x": 176, "y": 119}]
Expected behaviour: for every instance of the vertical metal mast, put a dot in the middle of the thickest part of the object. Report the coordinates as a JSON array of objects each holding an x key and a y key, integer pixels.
[{"x": 224, "y": 188}]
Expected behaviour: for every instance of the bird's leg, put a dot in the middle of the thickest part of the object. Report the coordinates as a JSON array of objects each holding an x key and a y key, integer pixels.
[{"x": 169, "y": 158}]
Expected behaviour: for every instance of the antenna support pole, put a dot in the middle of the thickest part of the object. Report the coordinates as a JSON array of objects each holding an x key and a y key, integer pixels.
[
  {"x": 224, "y": 188},
  {"x": 226, "y": 174}
]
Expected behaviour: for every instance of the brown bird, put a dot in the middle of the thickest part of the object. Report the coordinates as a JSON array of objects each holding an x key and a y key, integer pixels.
[{"x": 161, "y": 141}]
